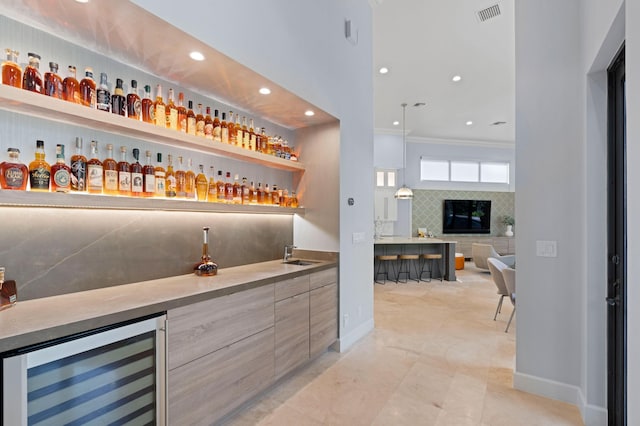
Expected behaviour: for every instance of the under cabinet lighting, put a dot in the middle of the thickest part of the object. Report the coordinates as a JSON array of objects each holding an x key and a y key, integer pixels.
[
  {"x": 195, "y": 55},
  {"x": 383, "y": 70},
  {"x": 456, "y": 78},
  {"x": 309, "y": 113},
  {"x": 265, "y": 90},
  {"x": 82, "y": 1}
]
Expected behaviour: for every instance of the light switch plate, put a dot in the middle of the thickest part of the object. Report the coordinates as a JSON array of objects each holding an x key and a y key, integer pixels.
[
  {"x": 358, "y": 237},
  {"x": 547, "y": 248}
]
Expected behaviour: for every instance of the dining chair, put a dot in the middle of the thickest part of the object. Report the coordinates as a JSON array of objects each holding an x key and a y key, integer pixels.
[
  {"x": 509, "y": 275},
  {"x": 495, "y": 268}
]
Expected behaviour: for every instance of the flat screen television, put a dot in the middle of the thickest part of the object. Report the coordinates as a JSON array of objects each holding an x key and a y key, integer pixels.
[{"x": 466, "y": 217}]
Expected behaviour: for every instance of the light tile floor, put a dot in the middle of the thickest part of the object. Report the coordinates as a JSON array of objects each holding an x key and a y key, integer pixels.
[{"x": 435, "y": 357}]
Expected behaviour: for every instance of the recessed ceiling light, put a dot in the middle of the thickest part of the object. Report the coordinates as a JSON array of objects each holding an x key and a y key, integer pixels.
[
  {"x": 82, "y": 1},
  {"x": 265, "y": 91},
  {"x": 383, "y": 70},
  {"x": 196, "y": 56},
  {"x": 309, "y": 113},
  {"x": 456, "y": 78},
  {"x": 469, "y": 123},
  {"x": 396, "y": 123}
]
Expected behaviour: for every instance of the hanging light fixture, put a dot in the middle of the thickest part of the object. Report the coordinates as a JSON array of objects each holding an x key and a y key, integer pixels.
[{"x": 404, "y": 192}]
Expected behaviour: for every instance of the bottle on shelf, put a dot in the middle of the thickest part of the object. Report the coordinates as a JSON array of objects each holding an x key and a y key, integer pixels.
[
  {"x": 170, "y": 179},
  {"x": 258, "y": 137},
  {"x": 181, "y": 179},
  {"x": 275, "y": 196},
  {"x": 224, "y": 129},
  {"x": 31, "y": 78},
  {"x": 147, "y": 106},
  {"x": 271, "y": 145},
  {"x": 134, "y": 104},
  {"x": 94, "y": 171},
  {"x": 88, "y": 89},
  {"x": 124, "y": 173},
  {"x": 118, "y": 100},
  {"x": 231, "y": 129},
  {"x": 161, "y": 175},
  {"x": 191, "y": 120},
  {"x": 208, "y": 125},
  {"x": 239, "y": 132},
  {"x": 212, "y": 190},
  {"x": 103, "y": 95},
  {"x": 228, "y": 189},
  {"x": 171, "y": 111},
  {"x": 71, "y": 86},
  {"x": 110, "y": 167},
  {"x": 217, "y": 127},
  {"x": 206, "y": 267},
  {"x": 253, "y": 194},
  {"x": 182, "y": 114},
  {"x": 284, "y": 198},
  {"x": 78, "y": 168},
  {"x": 294, "y": 200},
  {"x": 13, "y": 174},
  {"x": 53, "y": 82},
  {"x": 60, "y": 172},
  {"x": 259, "y": 194},
  {"x": 202, "y": 184},
  {"x": 245, "y": 191},
  {"x": 190, "y": 181},
  {"x": 237, "y": 190},
  {"x": 137, "y": 175},
  {"x": 252, "y": 136},
  {"x": 11, "y": 72},
  {"x": 220, "y": 188},
  {"x": 149, "y": 177},
  {"x": 200, "y": 123},
  {"x": 264, "y": 141},
  {"x": 39, "y": 170},
  {"x": 246, "y": 136},
  {"x": 160, "y": 118}
]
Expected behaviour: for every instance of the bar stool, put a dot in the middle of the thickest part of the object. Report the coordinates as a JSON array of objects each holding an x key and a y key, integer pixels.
[
  {"x": 385, "y": 260},
  {"x": 406, "y": 260},
  {"x": 432, "y": 259}
]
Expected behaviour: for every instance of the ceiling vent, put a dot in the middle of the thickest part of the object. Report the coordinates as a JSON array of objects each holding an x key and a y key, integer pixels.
[
  {"x": 488, "y": 13},
  {"x": 498, "y": 123}
]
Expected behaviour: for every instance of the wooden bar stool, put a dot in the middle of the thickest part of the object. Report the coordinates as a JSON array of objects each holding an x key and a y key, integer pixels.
[
  {"x": 406, "y": 260},
  {"x": 431, "y": 259},
  {"x": 385, "y": 259}
]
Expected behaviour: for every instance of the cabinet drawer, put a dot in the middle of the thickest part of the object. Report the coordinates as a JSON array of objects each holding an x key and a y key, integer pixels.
[
  {"x": 204, "y": 327},
  {"x": 323, "y": 318},
  {"x": 322, "y": 278},
  {"x": 291, "y": 287},
  {"x": 292, "y": 333}
]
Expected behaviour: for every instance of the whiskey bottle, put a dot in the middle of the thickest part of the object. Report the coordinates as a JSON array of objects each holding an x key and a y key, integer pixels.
[
  {"x": 246, "y": 136},
  {"x": 284, "y": 198},
  {"x": 260, "y": 196},
  {"x": 31, "y": 79},
  {"x": 212, "y": 190},
  {"x": 181, "y": 180},
  {"x": 202, "y": 184},
  {"x": 191, "y": 120},
  {"x": 137, "y": 175},
  {"x": 60, "y": 172},
  {"x": 161, "y": 176},
  {"x": 208, "y": 125},
  {"x": 264, "y": 141},
  {"x": 294, "y": 200},
  {"x": 160, "y": 117},
  {"x": 200, "y": 122},
  {"x": 217, "y": 128},
  {"x": 182, "y": 114},
  {"x": 103, "y": 95},
  {"x": 53, "y": 82},
  {"x": 231, "y": 129},
  {"x": 78, "y": 168},
  {"x": 170, "y": 179},
  {"x": 147, "y": 106},
  {"x": 252, "y": 136},
  {"x": 245, "y": 190},
  {"x": 258, "y": 137},
  {"x": 220, "y": 188},
  {"x": 124, "y": 173},
  {"x": 118, "y": 100},
  {"x": 237, "y": 190},
  {"x": 71, "y": 86},
  {"x": 190, "y": 181},
  {"x": 39, "y": 170},
  {"x": 171, "y": 112},
  {"x": 11, "y": 72},
  {"x": 134, "y": 105},
  {"x": 253, "y": 194},
  {"x": 275, "y": 196},
  {"x": 271, "y": 145},
  {"x": 94, "y": 171},
  {"x": 110, "y": 168},
  {"x": 239, "y": 133},
  {"x": 149, "y": 177},
  {"x": 88, "y": 89},
  {"x": 224, "y": 129},
  {"x": 228, "y": 189},
  {"x": 206, "y": 267},
  {"x": 13, "y": 174}
]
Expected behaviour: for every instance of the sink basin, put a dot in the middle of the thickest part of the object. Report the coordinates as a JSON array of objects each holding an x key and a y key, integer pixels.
[{"x": 300, "y": 262}]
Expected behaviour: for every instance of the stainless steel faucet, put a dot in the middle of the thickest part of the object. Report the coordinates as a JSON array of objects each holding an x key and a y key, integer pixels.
[{"x": 288, "y": 251}]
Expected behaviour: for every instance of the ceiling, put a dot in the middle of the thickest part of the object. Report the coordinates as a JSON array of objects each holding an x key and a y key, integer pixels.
[{"x": 424, "y": 43}]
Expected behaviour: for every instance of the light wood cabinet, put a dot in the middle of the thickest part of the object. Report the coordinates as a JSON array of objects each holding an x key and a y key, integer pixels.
[
  {"x": 292, "y": 333},
  {"x": 291, "y": 287},
  {"x": 322, "y": 278},
  {"x": 323, "y": 318}
]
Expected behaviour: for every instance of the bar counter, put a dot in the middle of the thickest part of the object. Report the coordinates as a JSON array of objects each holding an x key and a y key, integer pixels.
[{"x": 415, "y": 245}]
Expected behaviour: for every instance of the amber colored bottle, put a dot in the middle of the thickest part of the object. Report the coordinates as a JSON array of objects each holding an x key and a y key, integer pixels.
[
  {"x": 284, "y": 198},
  {"x": 245, "y": 190},
  {"x": 217, "y": 127},
  {"x": 275, "y": 196},
  {"x": 246, "y": 139},
  {"x": 147, "y": 106},
  {"x": 103, "y": 94},
  {"x": 294, "y": 200},
  {"x": 202, "y": 184},
  {"x": 252, "y": 136},
  {"x": 39, "y": 170},
  {"x": 31, "y": 78},
  {"x": 161, "y": 176},
  {"x": 181, "y": 179},
  {"x": 71, "y": 86},
  {"x": 53, "y": 82},
  {"x": 190, "y": 181},
  {"x": 200, "y": 124},
  {"x": 220, "y": 188},
  {"x": 170, "y": 179},
  {"x": 134, "y": 104},
  {"x": 208, "y": 125},
  {"x": 88, "y": 89},
  {"x": 224, "y": 129},
  {"x": 239, "y": 133},
  {"x": 124, "y": 173},
  {"x": 110, "y": 167},
  {"x": 228, "y": 189},
  {"x": 149, "y": 177},
  {"x": 160, "y": 118},
  {"x": 236, "y": 194},
  {"x": 60, "y": 172},
  {"x": 182, "y": 114},
  {"x": 137, "y": 175},
  {"x": 267, "y": 194},
  {"x": 259, "y": 194},
  {"x": 212, "y": 190},
  {"x": 118, "y": 99},
  {"x": 94, "y": 171},
  {"x": 11, "y": 72},
  {"x": 231, "y": 129},
  {"x": 171, "y": 111},
  {"x": 253, "y": 194},
  {"x": 258, "y": 139},
  {"x": 13, "y": 174},
  {"x": 78, "y": 168},
  {"x": 191, "y": 120}
]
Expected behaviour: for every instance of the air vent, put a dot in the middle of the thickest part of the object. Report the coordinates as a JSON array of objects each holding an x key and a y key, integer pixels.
[
  {"x": 498, "y": 123},
  {"x": 488, "y": 13},
  {"x": 419, "y": 104}
]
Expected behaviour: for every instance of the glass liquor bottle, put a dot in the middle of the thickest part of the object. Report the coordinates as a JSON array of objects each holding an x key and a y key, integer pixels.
[
  {"x": 228, "y": 189},
  {"x": 208, "y": 125},
  {"x": 134, "y": 105},
  {"x": 231, "y": 129},
  {"x": 78, "y": 168},
  {"x": 71, "y": 86},
  {"x": 202, "y": 184},
  {"x": 124, "y": 173},
  {"x": 224, "y": 129},
  {"x": 245, "y": 191},
  {"x": 200, "y": 122},
  {"x": 190, "y": 181},
  {"x": 39, "y": 170},
  {"x": 94, "y": 171},
  {"x": 253, "y": 194},
  {"x": 118, "y": 100},
  {"x": 237, "y": 190},
  {"x": 258, "y": 138},
  {"x": 294, "y": 200},
  {"x": 181, "y": 181},
  {"x": 149, "y": 177},
  {"x": 246, "y": 139},
  {"x": 13, "y": 174},
  {"x": 170, "y": 179},
  {"x": 275, "y": 196},
  {"x": 31, "y": 78},
  {"x": 147, "y": 106},
  {"x": 239, "y": 133},
  {"x": 160, "y": 118},
  {"x": 11, "y": 72},
  {"x": 267, "y": 194},
  {"x": 182, "y": 114},
  {"x": 53, "y": 82},
  {"x": 110, "y": 167},
  {"x": 172, "y": 112},
  {"x": 103, "y": 95},
  {"x": 191, "y": 119},
  {"x": 206, "y": 267},
  {"x": 264, "y": 141},
  {"x": 212, "y": 190},
  {"x": 259, "y": 194},
  {"x": 284, "y": 198},
  {"x": 161, "y": 175},
  {"x": 220, "y": 188},
  {"x": 217, "y": 127},
  {"x": 60, "y": 172},
  {"x": 252, "y": 136},
  {"x": 88, "y": 89},
  {"x": 137, "y": 175}
]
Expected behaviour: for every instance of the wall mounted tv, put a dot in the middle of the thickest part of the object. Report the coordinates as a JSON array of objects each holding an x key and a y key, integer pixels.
[{"x": 466, "y": 217}]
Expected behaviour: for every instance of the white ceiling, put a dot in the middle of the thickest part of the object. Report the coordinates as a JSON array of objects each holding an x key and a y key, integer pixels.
[{"x": 424, "y": 43}]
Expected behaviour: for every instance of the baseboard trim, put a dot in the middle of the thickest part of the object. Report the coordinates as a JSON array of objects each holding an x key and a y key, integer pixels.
[
  {"x": 345, "y": 342},
  {"x": 592, "y": 415}
]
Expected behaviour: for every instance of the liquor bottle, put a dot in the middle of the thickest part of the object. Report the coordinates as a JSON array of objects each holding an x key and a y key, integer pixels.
[
  {"x": 110, "y": 168},
  {"x": 191, "y": 120},
  {"x": 71, "y": 86},
  {"x": 78, "y": 168},
  {"x": 224, "y": 129},
  {"x": 161, "y": 176},
  {"x": 220, "y": 189},
  {"x": 270, "y": 145},
  {"x": 202, "y": 184},
  {"x": 245, "y": 191},
  {"x": 200, "y": 122},
  {"x": 53, "y": 82},
  {"x": 149, "y": 177},
  {"x": 118, "y": 100},
  {"x": 284, "y": 198},
  {"x": 190, "y": 181},
  {"x": 259, "y": 194},
  {"x": 231, "y": 129},
  {"x": 171, "y": 112},
  {"x": 39, "y": 170},
  {"x": 160, "y": 118},
  {"x": 208, "y": 125},
  {"x": 94, "y": 171},
  {"x": 88, "y": 89},
  {"x": 60, "y": 172},
  {"x": 264, "y": 141},
  {"x": 11, "y": 72},
  {"x": 13, "y": 174},
  {"x": 137, "y": 175},
  {"x": 267, "y": 194},
  {"x": 246, "y": 139},
  {"x": 181, "y": 182},
  {"x": 258, "y": 138},
  {"x": 217, "y": 127},
  {"x": 31, "y": 78},
  {"x": 206, "y": 267},
  {"x": 147, "y": 106},
  {"x": 275, "y": 196},
  {"x": 294, "y": 200},
  {"x": 228, "y": 189},
  {"x": 239, "y": 133},
  {"x": 252, "y": 137},
  {"x": 212, "y": 190},
  {"x": 253, "y": 194},
  {"x": 134, "y": 105},
  {"x": 182, "y": 114},
  {"x": 124, "y": 173},
  {"x": 170, "y": 179},
  {"x": 237, "y": 190},
  {"x": 103, "y": 95}
]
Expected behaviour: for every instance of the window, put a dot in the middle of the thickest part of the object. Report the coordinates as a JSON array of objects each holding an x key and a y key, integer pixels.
[
  {"x": 464, "y": 171},
  {"x": 494, "y": 172},
  {"x": 434, "y": 170},
  {"x": 385, "y": 178}
]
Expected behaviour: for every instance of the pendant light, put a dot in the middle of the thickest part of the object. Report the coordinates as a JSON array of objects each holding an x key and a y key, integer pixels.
[{"x": 404, "y": 192}]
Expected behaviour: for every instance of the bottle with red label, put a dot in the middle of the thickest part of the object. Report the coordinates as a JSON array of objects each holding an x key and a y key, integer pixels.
[{"x": 13, "y": 174}]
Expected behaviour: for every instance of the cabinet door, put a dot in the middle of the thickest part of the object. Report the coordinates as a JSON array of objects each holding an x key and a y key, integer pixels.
[
  {"x": 323, "y": 318},
  {"x": 386, "y": 206},
  {"x": 292, "y": 333},
  {"x": 322, "y": 278},
  {"x": 205, "y": 390},
  {"x": 292, "y": 286}
]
